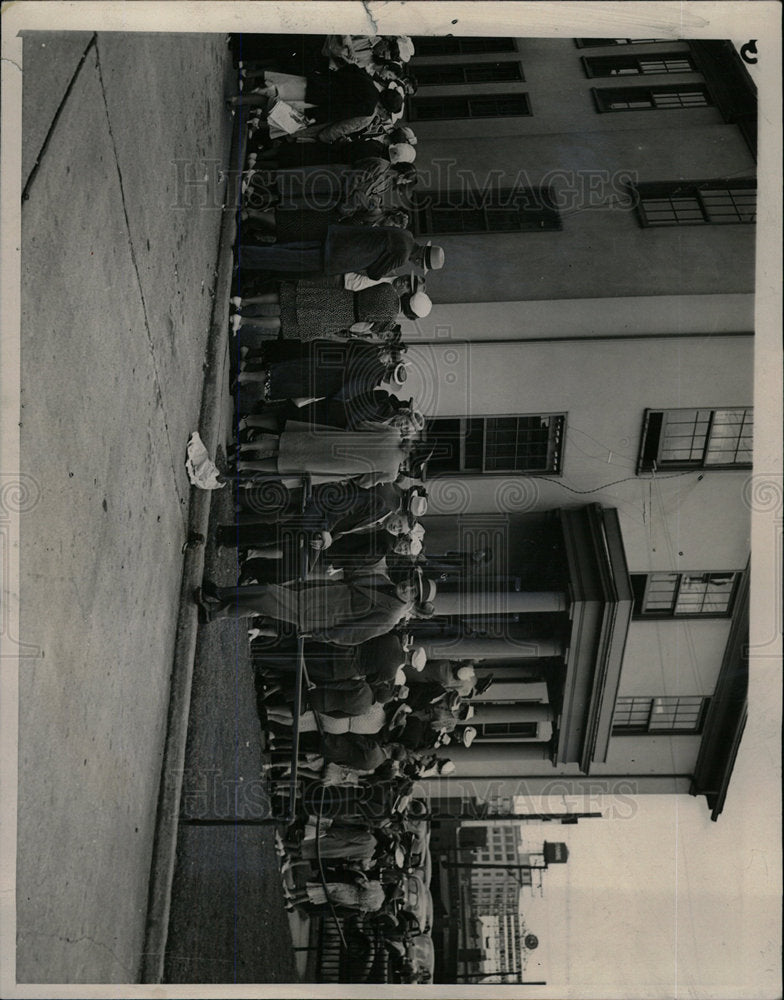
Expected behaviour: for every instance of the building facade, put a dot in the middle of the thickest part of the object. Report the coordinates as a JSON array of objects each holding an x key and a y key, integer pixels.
[{"x": 587, "y": 369}]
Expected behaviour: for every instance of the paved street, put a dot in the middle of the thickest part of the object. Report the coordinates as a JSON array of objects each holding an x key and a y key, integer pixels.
[
  {"x": 228, "y": 922},
  {"x": 116, "y": 305}
]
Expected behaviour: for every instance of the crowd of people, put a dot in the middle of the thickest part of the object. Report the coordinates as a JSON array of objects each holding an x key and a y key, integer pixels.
[{"x": 330, "y": 459}]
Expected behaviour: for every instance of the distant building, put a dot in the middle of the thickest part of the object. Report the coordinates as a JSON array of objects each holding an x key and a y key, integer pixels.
[{"x": 588, "y": 374}]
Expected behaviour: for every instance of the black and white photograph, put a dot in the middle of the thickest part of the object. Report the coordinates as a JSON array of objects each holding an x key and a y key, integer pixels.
[{"x": 391, "y": 500}]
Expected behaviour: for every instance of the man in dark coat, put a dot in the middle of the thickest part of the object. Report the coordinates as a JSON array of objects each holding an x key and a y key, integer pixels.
[
  {"x": 338, "y": 508},
  {"x": 344, "y": 613},
  {"x": 353, "y": 750},
  {"x": 374, "y": 251}
]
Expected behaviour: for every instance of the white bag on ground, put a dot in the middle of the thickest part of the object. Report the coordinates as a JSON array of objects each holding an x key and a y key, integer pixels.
[{"x": 202, "y": 471}]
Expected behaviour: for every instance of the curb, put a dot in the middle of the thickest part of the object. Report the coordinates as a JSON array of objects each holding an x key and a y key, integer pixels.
[{"x": 164, "y": 851}]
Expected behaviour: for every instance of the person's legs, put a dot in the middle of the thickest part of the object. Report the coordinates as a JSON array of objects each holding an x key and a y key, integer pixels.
[
  {"x": 296, "y": 258},
  {"x": 260, "y": 421},
  {"x": 257, "y": 99},
  {"x": 260, "y": 299},
  {"x": 265, "y": 552},
  {"x": 268, "y": 465},
  {"x": 243, "y": 324},
  {"x": 258, "y": 376}
]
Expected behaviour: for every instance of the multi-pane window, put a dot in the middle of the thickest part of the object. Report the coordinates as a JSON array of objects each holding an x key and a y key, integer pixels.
[
  {"x": 666, "y": 62},
  {"x": 697, "y": 438},
  {"x": 595, "y": 43},
  {"x": 470, "y": 106},
  {"x": 449, "y": 74},
  {"x": 503, "y": 210},
  {"x": 435, "y": 45},
  {"x": 683, "y": 595},
  {"x": 721, "y": 203},
  {"x": 661, "y": 98},
  {"x": 677, "y": 714},
  {"x": 506, "y": 730},
  {"x": 531, "y": 443}
]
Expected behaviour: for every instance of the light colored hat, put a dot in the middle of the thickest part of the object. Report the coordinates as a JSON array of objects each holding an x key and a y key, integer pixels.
[
  {"x": 419, "y": 658},
  {"x": 418, "y": 420},
  {"x": 427, "y": 589},
  {"x": 409, "y": 133},
  {"x": 414, "y": 545},
  {"x": 466, "y": 673},
  {"x": 420, "y": 304},
  {"x": 469, "y": 735},
  {"x": 447, "y": 767},
  {"x": 401, "y": 152},
  {"x": 400, "y": 374},
  {"x": 405, "y": 47},
  {"x": 418, "y": 505},
  {"x": 434, "y": 257},
  {"x": 400, "y": 677}
]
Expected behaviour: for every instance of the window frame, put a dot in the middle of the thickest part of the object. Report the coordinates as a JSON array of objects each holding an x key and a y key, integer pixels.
[
  {"x": 463, "y": 45},
  {"x": 591, "y": 64},
  {"x": 693, "y": 190},
  {"x": 645, "y": 730},
  {"x": 602, "y": 97},
  {"x": 602, "y": 43},
  {"x": 415, "y": 103},
  {"x": 556, "y": 445},
  {"x": 543, "y": 217},
  {"x": 465, "y": 70},
  {"x": 639, "y": 612},
  {"x": 646, "y": 462}
]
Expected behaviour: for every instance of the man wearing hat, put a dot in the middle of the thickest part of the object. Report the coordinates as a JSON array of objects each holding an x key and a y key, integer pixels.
[
  {"x": 346, "y": 613},
  {"x": 353, "y": 551},
  {"x": 372, "y": 251},
  {"x": 335, "y": 508},
  {"x": 448, "y": 675}
]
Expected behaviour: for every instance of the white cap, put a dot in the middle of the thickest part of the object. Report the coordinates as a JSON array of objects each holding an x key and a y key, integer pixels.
[
  {"x": 418, "y": 506},
  {"x": 405, "y": 47},
  {"x": 420, "y": 304},
  {"x": 401, "y": 152},
  {"x": 419, "y": 658},
  {"x": 400, "y": 677},
  {"x": 469, "y": 735},
  {"x": 466, "y": 674},
  {"x": 400, "y": 374},
  {"x": 447, "y": 767}
]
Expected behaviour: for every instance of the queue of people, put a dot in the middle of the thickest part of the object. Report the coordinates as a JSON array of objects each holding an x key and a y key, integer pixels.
[{"x": 326, "y": 271}]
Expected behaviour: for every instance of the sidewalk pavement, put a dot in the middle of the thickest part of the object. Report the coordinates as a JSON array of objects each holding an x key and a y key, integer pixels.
[{"x": 119, "y": 271}]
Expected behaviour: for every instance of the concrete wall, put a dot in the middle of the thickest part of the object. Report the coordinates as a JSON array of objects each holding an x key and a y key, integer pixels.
[
  {"x": 554, "y": 319},
  {"x": 603, "y": 387},
  {"x": 588, "y": 158}
]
